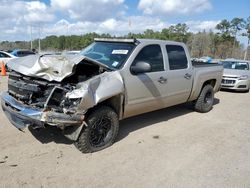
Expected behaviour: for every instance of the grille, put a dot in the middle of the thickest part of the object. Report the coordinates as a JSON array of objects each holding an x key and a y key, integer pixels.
[
  {"x": 29, "y": 90},
  {"x": 224, "y": 81}
]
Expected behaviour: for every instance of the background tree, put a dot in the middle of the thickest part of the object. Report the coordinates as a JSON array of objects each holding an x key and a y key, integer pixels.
[
  {"x": 224, "y": 27},
  {"x": 236, "y": 25},
  {"x": 247, "y": 34}
]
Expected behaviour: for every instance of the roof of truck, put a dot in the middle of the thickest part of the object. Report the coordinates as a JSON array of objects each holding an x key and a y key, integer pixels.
[
  {"x": 137, "y": 40},
  {"x": 157, "y": 40}
]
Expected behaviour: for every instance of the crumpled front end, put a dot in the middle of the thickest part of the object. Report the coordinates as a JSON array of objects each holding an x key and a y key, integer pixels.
[
  {"x": 35, "y": 102},
  {"x": 22, "y": 116}
]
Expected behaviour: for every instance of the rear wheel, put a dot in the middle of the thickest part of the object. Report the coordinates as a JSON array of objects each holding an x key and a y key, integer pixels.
[
  {"x": 205, "y": 101},
  {"x": 101, "y": 131}
]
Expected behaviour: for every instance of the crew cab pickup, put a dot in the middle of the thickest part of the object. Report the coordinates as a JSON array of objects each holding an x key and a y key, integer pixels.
[{"x": 86, "y": 95}]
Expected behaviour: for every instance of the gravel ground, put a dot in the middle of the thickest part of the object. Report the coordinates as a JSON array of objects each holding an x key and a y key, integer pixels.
[{"x": 173, "y": 147}]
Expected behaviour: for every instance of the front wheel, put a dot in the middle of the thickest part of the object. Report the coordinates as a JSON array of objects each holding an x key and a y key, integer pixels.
[
  {"x": 205, "y": 101},
  {"x": 101, "y": 131}
]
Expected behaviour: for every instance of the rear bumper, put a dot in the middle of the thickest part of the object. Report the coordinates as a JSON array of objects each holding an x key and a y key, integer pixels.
[{"x": 22, "y": 116}]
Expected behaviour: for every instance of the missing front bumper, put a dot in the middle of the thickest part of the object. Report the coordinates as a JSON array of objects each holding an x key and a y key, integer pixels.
[{"x": 22, "y": 116}]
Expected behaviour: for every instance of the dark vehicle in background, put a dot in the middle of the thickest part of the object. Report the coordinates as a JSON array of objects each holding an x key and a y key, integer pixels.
[
  {"x": 236, "y": 75},
  {"x": 22, "y": 53}
]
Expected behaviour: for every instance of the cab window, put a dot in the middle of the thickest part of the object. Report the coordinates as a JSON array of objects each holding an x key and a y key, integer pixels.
[
  {"x": 176, "y": 57},
  {"x": 151, "y": 54}
]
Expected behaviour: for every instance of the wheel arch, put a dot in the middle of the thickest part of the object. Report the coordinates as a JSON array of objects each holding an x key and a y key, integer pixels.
[
  {"x": 211, "y": 82},
  {"x": 115, "y": 102},
  {"x": 196, "y": 92}
]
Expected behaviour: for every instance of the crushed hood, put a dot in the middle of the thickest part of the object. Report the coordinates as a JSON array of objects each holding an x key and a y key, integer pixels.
[{"x": 49, "y": 67}]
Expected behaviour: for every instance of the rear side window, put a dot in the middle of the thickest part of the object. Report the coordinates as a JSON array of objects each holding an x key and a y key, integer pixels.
[
  {"x": 28, "y": 53},
  {"x": 151, "y": 54},
  {"x": 176, "y": 57},
  {"x": 19, "y": 54}
]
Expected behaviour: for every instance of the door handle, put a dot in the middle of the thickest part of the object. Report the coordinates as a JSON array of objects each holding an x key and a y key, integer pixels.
[
  {"x": 188, "y": 76},
  {"x": 162, "y": 80}
]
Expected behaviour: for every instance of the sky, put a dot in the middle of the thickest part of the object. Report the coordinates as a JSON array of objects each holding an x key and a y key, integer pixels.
[{"x": 118, "y": 17}]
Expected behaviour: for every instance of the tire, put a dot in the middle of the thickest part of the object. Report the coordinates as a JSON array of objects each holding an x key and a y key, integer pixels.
[
  {"x": 247, "y": 91},
  {"x": 205, "y": 101},
  {"x": 100, "y": 132}
]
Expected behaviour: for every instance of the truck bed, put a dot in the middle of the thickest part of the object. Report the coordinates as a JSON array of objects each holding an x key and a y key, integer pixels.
[
  {"x": 202, "y": 64},
  {"x": 204, "y": 72}
]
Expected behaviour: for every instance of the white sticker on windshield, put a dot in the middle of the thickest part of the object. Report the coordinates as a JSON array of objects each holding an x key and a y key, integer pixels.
[
  {"x": 115, "y": 64},
  {"x": 120, "y": 52}
]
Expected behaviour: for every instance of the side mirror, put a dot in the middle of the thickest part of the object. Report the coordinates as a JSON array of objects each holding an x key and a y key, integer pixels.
[{"x": 140, "y": 67}]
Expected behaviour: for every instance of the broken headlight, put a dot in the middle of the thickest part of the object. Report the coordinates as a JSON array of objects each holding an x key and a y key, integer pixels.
[
  {"x": 69, "y": 106},
  {"x": 59, "y": 102}
]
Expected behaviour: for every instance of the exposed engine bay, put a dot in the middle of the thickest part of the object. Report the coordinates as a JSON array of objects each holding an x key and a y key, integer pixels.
[{"x": 40, "y": 93}]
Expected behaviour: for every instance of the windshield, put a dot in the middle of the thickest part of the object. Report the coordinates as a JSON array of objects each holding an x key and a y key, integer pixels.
[
  {"x": 235, "y": 65},
  {"x": 112, "y": 54}
]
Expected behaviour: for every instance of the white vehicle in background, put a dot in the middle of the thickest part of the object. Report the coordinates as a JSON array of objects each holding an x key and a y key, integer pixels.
[
  {"x": 236, "y": 75},
  {"x": 205, "y": 59},
  {"x": 216, "y": 60},
  {"x": 5, "y": 57}
]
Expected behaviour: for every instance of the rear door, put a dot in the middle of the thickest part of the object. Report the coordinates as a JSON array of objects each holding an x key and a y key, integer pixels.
[{"x": 179, "y": 74}]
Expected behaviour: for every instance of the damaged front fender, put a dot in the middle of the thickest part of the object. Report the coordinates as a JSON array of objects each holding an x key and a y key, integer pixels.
[{"x": 97, "y": 89}]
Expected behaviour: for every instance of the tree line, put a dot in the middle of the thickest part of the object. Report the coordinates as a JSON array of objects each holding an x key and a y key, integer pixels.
[{"x": 220, "y": 43}]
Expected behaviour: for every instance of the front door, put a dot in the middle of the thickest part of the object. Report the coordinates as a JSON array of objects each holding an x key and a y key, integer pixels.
[{"x": 147, "y": 91}]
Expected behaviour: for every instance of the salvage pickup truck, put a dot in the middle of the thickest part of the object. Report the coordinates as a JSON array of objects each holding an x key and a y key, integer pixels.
[{"x": 112, "y": 79}]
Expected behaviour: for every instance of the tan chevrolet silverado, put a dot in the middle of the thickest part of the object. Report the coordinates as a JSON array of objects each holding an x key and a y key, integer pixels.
[{"x": 86, "y": 95}]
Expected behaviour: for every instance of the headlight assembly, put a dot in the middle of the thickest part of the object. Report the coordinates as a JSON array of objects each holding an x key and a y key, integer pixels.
[{"x": 243, "y": 77}]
